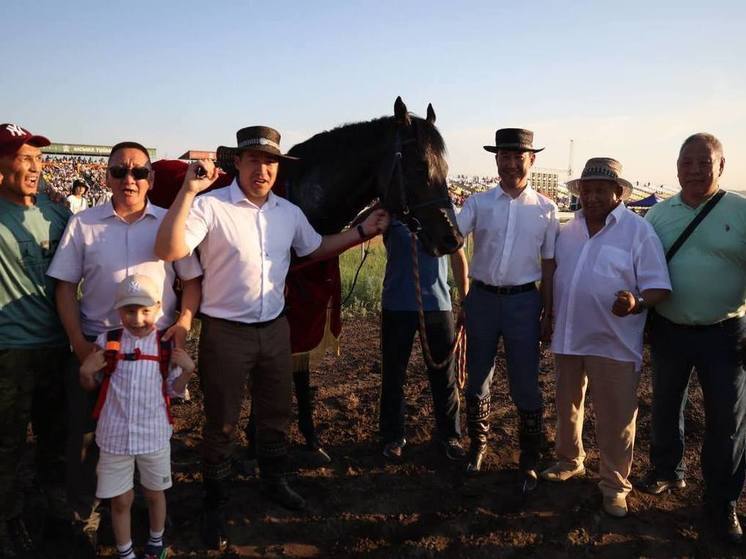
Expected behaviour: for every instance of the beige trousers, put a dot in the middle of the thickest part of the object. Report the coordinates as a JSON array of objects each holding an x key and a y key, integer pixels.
[{"x": 614, "y": 392}]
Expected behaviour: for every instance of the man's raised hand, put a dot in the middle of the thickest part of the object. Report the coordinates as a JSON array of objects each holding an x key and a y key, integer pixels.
[{"x": 200, "y": 175}]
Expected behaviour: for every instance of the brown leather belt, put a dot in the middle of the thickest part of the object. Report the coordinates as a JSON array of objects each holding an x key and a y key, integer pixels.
[{"x": 504, "y": 290}]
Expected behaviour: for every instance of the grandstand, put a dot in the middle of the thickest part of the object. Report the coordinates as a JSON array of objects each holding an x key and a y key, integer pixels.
[{"x": 63, "y": 163}]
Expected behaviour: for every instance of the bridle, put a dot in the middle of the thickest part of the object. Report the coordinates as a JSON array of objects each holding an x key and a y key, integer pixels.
[
  {"x": 396, "y": 189},
  {"x": 397, "y": 186}
]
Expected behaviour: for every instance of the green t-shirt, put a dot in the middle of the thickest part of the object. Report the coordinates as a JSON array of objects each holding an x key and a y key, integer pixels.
[
  {"x": 708, "y": 273},
  {"x": 28, "y": 239}
]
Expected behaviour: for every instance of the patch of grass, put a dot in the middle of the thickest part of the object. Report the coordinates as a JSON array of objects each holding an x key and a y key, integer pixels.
[{"x": 366, "y": 297}]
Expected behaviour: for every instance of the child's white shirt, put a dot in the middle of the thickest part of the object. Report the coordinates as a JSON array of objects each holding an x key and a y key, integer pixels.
[{"x": 134, "y": 419}]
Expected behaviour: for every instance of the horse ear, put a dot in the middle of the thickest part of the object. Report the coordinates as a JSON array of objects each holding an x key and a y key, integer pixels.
[
  {"x": 430, "y": 113},
  {"x": 400, "y": 112}
]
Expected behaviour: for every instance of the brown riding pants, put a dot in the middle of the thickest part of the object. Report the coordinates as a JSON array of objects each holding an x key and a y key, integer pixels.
[{"x": 232, "y": 354}]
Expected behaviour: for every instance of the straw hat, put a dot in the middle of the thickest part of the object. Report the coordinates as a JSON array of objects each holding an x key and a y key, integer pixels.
[{"x": 602, "y": 168}]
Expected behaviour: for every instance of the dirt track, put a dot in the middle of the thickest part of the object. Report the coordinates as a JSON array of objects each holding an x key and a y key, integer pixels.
[{"x": 362, "y": 506}]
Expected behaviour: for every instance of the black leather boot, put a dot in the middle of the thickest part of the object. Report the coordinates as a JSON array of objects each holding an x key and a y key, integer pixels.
[
  {"x": 214, "y": 526},
  {"x": 274, "y": 471},
  {"x": 23, "y": 543},
  {"x": 530, "y": 440},
  {"x": 278, "y": 490},
  {"x": 478, "y": 425},
  {"x": 305, "y": 395}
]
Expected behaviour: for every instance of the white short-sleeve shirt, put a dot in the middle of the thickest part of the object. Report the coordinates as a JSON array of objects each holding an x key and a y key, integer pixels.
[
  {"x": 245, "y": 252},
  {"x": 625, "y": 255},
  {"x": 101, "y": 248},
  {"x": 511, "y": 235}
]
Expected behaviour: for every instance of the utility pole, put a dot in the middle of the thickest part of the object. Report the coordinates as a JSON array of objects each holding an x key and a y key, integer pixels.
[{"x": 569, "y": 165}]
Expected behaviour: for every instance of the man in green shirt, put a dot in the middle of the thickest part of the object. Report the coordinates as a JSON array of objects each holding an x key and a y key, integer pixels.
[
  {"x": 702, "y": 326},
  {"x": 33, "y": 346}
]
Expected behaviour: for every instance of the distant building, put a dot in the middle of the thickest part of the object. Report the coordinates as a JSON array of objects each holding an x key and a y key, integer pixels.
[
  {"x": 194, "y": 154},
  {"x": 546, "y": 181}
]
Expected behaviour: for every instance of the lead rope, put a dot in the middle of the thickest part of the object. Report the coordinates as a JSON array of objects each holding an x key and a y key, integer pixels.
[{"x": 458, "y": 348}]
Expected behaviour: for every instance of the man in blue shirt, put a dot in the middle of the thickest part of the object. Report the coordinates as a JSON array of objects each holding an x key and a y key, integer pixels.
[{"x": 399, "y": 322}]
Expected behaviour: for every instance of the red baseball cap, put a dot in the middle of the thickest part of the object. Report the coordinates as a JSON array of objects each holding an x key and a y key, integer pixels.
[{"x": 12, "y": 137}]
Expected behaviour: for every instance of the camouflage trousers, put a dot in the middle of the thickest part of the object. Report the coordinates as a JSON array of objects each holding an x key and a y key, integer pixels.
[{"x": 31, "y": 390}]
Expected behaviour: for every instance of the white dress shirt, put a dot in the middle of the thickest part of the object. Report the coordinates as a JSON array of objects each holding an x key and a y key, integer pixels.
[
  {"x": 511, "y": 235},
  {"x": 134, "y": 419},
  {"x": 625, "y": 255},
  {"x": 102, "y": 249},
  {"x": 245, "y": 252}
]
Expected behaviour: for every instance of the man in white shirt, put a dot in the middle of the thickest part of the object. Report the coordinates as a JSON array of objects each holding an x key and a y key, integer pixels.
[
  {"x": 610, "y": 269},
  {"x": 245, "y": 234},
  {"x": 100, "y": 247},
  {"x": 514, "y": 231}
]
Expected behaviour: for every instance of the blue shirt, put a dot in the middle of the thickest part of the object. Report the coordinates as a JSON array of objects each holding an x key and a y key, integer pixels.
[{"x": 398, "y": 283}]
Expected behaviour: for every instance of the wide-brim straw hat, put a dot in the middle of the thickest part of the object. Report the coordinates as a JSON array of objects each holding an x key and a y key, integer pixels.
[
  {"x": 254, "y": 138},
  {"x": 513, "y": 139},
  {"x": 602, "y": 168}
]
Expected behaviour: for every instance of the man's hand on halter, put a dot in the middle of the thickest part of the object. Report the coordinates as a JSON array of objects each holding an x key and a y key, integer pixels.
[
  {"x": 376, "y": 223},
  {"x": 92, "y": 365},
  {"x": 200, "y": 175}
]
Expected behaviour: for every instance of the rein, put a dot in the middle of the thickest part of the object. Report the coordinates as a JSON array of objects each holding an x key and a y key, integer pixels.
[{"x": 458, "y": 347}]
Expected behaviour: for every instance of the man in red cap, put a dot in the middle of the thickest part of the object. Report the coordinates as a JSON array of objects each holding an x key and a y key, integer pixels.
[{"x": 32, "y": 341}]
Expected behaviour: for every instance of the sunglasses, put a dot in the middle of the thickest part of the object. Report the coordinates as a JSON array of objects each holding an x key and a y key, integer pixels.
[{"x": 138, "y": 173}]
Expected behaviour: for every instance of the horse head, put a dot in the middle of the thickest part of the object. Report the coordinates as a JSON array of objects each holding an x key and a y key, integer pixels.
[{"x": 412, "y": 181}]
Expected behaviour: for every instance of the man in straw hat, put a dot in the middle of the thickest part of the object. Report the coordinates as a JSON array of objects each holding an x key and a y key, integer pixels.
[
  {"x": 702, "y": 326},
  {"x": 610, "y": 268},
  {"x": 245, "y": 234},
  {"x": 514, "y": 232}
]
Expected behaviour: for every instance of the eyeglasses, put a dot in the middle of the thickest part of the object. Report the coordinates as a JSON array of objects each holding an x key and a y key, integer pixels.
[{"x": 138, "y": 173}]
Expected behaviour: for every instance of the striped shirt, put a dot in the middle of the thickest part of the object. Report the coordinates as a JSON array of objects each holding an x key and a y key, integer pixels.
[{"x": 134, "y": 419}]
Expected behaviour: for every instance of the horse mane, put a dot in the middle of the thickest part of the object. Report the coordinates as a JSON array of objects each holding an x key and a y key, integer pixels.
[{"x": 354, "y": 141}]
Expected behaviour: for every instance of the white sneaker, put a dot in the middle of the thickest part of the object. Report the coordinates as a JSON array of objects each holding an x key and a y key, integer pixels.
[
  {"x": 561, "y": 472},
  {"x": 615, "y": 505}
]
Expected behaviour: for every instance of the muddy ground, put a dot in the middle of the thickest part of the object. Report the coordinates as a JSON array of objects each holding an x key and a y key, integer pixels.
[{"x": 363, "y": 506}]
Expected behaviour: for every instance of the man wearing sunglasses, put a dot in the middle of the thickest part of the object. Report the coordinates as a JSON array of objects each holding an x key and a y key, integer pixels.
[{"x": 100, "y": 247}]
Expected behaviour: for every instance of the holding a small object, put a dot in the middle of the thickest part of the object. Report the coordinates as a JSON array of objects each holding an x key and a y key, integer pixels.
[{"x": 610, "y": 267}]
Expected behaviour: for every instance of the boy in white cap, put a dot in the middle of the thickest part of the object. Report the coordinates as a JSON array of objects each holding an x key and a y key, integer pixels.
[{"x": 138, "y": 373}]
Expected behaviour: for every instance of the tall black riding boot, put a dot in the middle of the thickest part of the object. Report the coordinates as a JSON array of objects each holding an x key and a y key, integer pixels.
[
  {"x": 530, "y": 439},
  {"x": 305, "y": 395},
  {"x": 274, "y": 472},
  {"x": 478, "y": 424},
  {"x": 215, "y": 483}
]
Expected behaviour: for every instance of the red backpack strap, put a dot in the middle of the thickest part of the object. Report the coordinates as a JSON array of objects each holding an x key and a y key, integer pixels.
[
  {"x": 111, "y": 356},
  {"x": 164, "y": 361}
]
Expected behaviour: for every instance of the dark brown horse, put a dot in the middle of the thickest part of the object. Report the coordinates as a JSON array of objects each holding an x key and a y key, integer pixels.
[{"x": 398, "y": 160}]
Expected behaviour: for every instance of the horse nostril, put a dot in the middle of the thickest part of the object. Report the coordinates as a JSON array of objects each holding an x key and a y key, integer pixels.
[{"x": 451, "y": 243}]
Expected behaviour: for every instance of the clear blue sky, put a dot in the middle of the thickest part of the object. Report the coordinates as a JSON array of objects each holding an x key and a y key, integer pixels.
[{"x": 624, "y": 79}]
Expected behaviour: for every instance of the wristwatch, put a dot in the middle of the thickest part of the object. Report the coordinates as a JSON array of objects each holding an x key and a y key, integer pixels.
[{"x": 640, "y": 305}]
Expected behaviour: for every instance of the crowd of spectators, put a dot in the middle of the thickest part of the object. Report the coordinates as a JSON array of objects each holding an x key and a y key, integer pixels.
[{"x": 59, "y": 173}]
